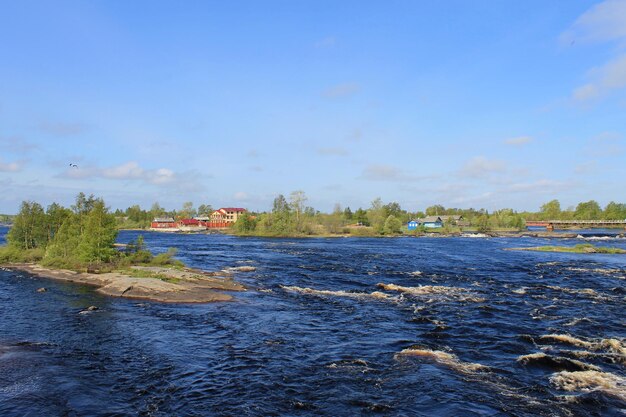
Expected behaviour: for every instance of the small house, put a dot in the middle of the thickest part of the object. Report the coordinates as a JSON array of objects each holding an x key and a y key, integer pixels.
[
  {"x": 163, "y": 223},
  {"x": 188, "y": 222},
  {"x": 431, "y": 222},
  {"x": 453, "y": 219},
  {"x": 413, "y": 225}
]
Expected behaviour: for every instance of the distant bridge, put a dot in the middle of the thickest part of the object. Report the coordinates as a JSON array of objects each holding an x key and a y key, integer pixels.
[{"x": 565, "y": 224}]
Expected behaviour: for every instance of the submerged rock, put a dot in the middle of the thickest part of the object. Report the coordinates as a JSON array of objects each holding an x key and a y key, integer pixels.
[
  {"x": 88, "y": 310},
  {"x": 242, "y": 269},
  {"x": 42, "y": 289}
]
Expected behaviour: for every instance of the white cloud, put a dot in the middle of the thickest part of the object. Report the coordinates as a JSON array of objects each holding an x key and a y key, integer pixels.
[
  {"x": 605, "y": 145},
  {"x": 62, "y": 129},
  {"x": 585, "y": 168},
  {"x": 129, "y": 170},
  {"x": 518, "y": 141},
  {"x": 605, "y": 21},
  {"x": 542, "y": 186},
  {"x": 342, "y": 90},
  {"x": 480, "y": 167},
  {"x": 241, "y": 196},
  {"x": 332, "y": 151},
  {"x": 10, "y": 166},
  {"x": 605, "y": 79},
  {"x": 585, "y": 92},
  {"x": 161, "y": 176},
  {"x": 15, "y": 144},
  {"x": 133, "y": 171},
  {"x": 388, "y": 173}
]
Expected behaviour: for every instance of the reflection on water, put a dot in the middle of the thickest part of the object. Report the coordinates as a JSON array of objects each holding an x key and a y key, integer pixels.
[{"x": 427, "y": 327}]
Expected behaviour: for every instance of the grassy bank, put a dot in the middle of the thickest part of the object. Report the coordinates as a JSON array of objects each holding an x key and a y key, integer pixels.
[{"x": 581, "y": 248}]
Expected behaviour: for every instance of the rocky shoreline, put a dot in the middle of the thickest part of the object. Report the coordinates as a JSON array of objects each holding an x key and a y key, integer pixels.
[{"x": 179, "y": 286}]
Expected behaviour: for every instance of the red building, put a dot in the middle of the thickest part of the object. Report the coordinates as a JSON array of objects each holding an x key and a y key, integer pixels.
[{"x": 163, "y": 223}]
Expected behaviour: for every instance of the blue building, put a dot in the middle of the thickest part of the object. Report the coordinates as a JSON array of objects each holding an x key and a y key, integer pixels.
[{"x": 413, "y": 225}]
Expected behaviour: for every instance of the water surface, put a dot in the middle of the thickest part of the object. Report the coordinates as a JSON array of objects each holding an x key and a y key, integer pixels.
[{"x": 316, "y": 335}]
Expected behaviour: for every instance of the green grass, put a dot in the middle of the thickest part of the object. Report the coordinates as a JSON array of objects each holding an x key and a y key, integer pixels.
[
  {"x": 581, "y": 248},
  {"x": 142, "y": 273}
]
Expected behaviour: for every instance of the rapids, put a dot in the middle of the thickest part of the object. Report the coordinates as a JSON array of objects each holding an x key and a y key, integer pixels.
[{"x": 402, "y": 326}]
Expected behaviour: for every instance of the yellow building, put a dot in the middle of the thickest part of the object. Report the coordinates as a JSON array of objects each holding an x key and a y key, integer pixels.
[{"x": 227, "y": 215}]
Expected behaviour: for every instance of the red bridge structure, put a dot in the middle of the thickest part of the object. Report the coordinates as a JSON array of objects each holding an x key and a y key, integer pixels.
[{"x": 586, "y": 224}]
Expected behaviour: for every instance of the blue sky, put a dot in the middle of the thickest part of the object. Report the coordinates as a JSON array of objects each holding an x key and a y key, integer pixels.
[{"x": 466, "y": 104}]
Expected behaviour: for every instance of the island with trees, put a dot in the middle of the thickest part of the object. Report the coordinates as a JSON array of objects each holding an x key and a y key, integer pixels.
[{"x": 78, "y": 245}]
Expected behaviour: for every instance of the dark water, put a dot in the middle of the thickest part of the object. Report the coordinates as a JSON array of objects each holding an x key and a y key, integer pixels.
[{"x": 312, "y": 337}]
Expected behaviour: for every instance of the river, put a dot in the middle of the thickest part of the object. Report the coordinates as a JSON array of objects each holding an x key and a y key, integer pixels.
[{"x": 459, "y": 327}]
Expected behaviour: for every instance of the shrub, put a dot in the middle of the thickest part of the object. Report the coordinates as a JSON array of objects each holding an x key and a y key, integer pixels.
[
  {"x": 13, "y": 254},
  {"x": 166, "y": 258}
]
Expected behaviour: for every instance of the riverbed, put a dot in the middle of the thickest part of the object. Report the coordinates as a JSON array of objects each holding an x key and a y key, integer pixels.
[{"x": 344, "y": 326}]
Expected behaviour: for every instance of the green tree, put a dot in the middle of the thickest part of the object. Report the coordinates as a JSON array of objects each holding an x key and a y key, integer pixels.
[
  {"x": 96, "y": 245},
  {"x": 360, "y": 216},
  {"x": 136, "y": 214},
  {"x": 589, "y": 210},
  {"x": 436, "y": 210},
  {"x": 297, "y": 199},
  {"x": 245, "y": 223},
  {"x": 376, "y": 215},
  {"x": 279, "y": 221},
  {"x": 188, "y": 211},
  {"x": 205, "y": 210},
  {"x": 29, "y": 229},
  {"x": 551, "y": 210},
  {"x": 65, "y": 243},
  {"x": 393, "y": 225},
  {"x": 347, "y": 214},
  {"x": 393, "y": 209},
  {"x": 156, "y": 210},
  {"x": 55, "y": 217},
  {"x": 615, "y": 211},
  {"x": 482, "y": 224}
]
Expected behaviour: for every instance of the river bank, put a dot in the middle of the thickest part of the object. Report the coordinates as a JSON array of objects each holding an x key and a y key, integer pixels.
[{"x": 148, "y": 283}]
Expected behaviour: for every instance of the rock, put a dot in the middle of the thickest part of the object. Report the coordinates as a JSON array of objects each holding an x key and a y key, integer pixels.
[
  {"x": 590, "y": 250},
  {"x": 88, "y": 310},
  {"x": 42, "y": 289}
]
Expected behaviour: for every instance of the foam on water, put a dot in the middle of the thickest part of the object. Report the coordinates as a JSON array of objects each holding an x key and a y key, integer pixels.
[
  {"x": 461, "y": 294},
  {"x": 587, "y": 381},
  {"x": 610, "y": 345},
  {"x": 555, "y": 362},
  {"x": 444, "y": 358},
  {"x": 376, "y": 295}
]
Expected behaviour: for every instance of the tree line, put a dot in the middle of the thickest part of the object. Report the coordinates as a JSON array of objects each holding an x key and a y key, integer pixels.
[
  {"x": 588, "y": 210},
  {"x": 293, "y": 217},
  {"x": 79, "y": 237},
  {"x": 290, "y": 215}
]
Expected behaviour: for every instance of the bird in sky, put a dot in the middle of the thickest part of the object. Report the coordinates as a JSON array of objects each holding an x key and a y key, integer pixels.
[{"x": 73, "y": 165}]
